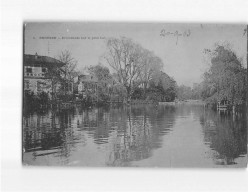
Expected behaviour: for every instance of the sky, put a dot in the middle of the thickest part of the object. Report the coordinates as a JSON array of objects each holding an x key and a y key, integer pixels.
[{"x": 182, "y": 56}]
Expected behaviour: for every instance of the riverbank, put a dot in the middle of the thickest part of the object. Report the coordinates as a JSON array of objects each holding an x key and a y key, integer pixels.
[
  {"x": 189, "y": 102},
  {"x": 192, "y": 102}
]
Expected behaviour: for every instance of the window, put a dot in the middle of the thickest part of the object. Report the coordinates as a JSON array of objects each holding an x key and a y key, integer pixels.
[{"x": 29, "y": 70}]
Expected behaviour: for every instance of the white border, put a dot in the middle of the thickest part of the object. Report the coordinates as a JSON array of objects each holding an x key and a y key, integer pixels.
[{"x": 17, "y": 178}]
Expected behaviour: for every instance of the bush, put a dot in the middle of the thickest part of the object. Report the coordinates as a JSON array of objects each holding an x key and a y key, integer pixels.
[
  {"x": 32, "y": 101},
  {"x": 42, "y": 98}
]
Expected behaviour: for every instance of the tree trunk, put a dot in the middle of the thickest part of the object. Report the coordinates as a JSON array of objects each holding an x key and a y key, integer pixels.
[
  {"x": 145, "y": 87},
  {"x": 128, "y": 98}
]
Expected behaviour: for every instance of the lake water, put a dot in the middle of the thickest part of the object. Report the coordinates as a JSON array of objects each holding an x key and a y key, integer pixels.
[{"x": 137, "y": 136}]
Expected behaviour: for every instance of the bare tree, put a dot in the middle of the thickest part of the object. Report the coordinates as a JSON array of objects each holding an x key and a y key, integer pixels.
[
  {"x": 54, "y": 80},
  {"x": 126, "y": 59},
  {"x": 152, "y": 66},
  {"x": 69, "y": 69}
]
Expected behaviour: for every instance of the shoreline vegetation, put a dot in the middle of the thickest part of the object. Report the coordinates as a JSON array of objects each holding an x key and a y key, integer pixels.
[
  {"x": 133, "y": 75},
  {"x": 60, "y": 105}
]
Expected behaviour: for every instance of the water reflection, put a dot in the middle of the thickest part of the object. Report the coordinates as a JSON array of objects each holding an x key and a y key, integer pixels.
[
  {"x": 120, "y": 136},
  {"x": 132, "y": 133},
  {"x": 226, "y": 135},
  {"x": 49, "y": 133},
  {"x": 143, "y": 129}
]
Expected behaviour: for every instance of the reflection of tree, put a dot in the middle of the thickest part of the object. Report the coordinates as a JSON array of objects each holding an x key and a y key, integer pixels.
[
  {"x": 226, "y": 136},
  {"x": 144, "y": 127},
  {"x": 95, "y": 123},
  {"x": 130, "y": 133},
  {"x": 50, "y": 133}
]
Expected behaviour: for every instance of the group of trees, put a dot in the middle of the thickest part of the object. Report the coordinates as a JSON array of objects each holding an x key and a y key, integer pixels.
[
  {"x": 62, "y": 78},
  {"x": 137, "y": 74},
  {"x": 162, "y": 88},
  {"x": 186, "y": 92},
  {"x": 104, "y": 81},
  {"x": 138, "y": 71},
  {"x": 226, "y": 77}
]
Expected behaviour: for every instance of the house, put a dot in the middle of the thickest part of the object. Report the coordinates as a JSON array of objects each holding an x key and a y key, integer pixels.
[
  {"x": 87, "y": 84},
  {"x": 36, "y": 68}
]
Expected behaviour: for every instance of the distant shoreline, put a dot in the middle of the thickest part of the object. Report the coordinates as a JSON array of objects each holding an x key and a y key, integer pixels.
[{"x": 191, "y": 102}]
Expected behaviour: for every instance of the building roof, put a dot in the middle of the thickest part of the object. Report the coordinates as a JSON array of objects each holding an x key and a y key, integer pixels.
[{"x": 37, "y": 60}]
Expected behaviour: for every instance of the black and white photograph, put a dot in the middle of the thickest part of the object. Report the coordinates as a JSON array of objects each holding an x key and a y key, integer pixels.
[
  {"x": 124, "y": 96},
  {"x": 134, "y": 94}
]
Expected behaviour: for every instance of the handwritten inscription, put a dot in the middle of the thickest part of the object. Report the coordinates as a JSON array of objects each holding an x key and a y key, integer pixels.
[{"x": 164, "y": 33}]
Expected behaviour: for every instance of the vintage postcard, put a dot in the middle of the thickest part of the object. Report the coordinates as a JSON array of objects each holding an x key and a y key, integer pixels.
[{"x": 134, "y": 94}]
